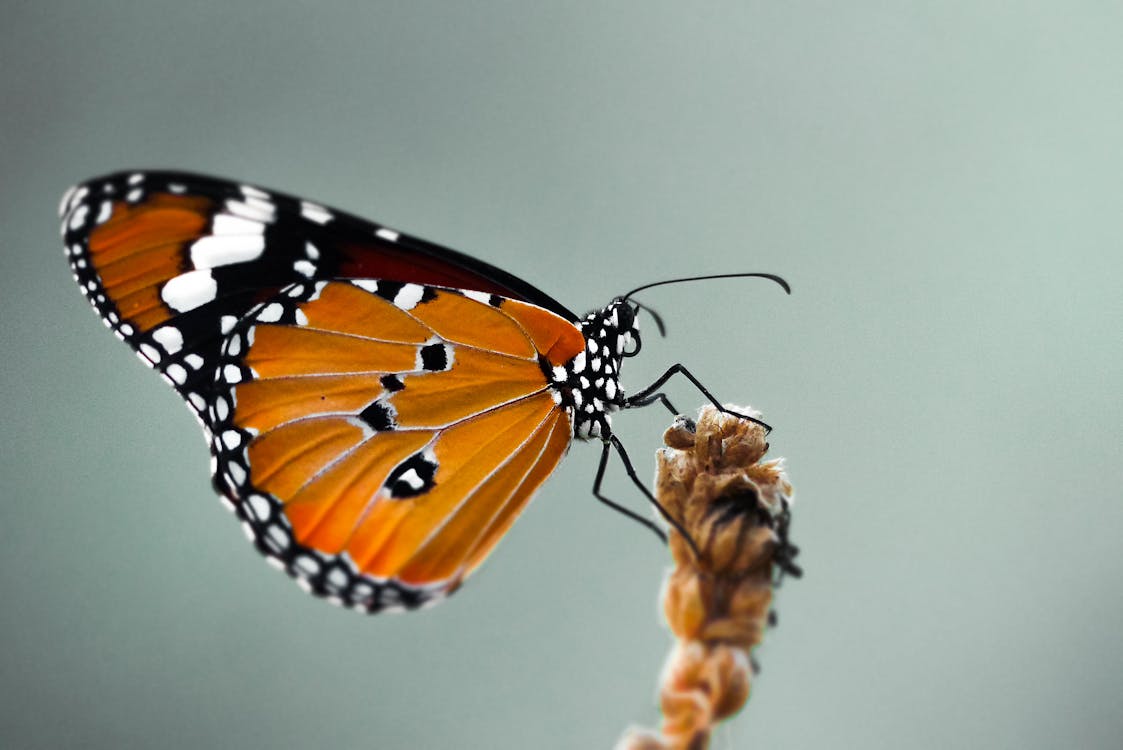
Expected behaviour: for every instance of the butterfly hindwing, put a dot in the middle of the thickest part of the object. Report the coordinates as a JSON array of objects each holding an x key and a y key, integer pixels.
[
  {"x": 171, "y": 261},
  {"x": 376, "y": 441}
]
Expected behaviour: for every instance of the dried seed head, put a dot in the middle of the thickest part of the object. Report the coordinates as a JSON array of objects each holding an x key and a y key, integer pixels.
[{"x": 735, "y": 507}]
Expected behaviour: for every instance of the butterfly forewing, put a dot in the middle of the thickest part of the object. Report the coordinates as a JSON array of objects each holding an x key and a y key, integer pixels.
[{"x": 171, "y": 260}]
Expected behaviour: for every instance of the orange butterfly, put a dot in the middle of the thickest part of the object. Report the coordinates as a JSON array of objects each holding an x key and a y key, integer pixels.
[{"x": 379, "y": 408}]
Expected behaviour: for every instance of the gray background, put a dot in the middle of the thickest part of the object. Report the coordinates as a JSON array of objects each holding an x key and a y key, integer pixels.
[{"x": 940, "y": 182}]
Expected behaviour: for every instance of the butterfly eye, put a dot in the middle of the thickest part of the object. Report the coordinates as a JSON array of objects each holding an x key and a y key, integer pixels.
[{"x": 626, "y": 315}]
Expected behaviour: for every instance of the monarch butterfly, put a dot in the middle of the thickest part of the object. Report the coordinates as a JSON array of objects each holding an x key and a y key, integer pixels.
[{"x": 379, "y": 408}]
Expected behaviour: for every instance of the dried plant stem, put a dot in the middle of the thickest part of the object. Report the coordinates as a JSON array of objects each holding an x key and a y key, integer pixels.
[{"x": 711, "y": 479}]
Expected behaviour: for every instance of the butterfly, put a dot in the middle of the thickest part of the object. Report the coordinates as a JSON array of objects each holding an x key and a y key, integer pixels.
[{"x": 379, "y": 408}]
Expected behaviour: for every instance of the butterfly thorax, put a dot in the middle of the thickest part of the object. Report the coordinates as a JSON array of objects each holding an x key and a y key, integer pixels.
[{"x": 588, "y": 386}]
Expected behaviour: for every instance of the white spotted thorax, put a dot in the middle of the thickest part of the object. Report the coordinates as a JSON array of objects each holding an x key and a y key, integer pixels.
[{"x": 588, "y": 386}]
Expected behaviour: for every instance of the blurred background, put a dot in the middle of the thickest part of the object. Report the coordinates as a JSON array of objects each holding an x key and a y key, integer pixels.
[{"x": 942, "y": 184}]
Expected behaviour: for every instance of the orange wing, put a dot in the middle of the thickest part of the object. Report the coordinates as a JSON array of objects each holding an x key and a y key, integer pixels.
[{"x": 378, "y": 443}]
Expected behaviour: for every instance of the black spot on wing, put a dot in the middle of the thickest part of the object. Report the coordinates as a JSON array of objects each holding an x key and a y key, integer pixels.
[
  {"x": 388, "y": 290},
  {"x": 380, "y": 416},
  {"x": 412, "y": 477},
  {"x": 434, "y": 357},
  {"x": 392, "y": 383}
]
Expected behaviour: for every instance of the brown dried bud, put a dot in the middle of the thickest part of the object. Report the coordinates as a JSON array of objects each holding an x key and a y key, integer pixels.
[{"x": 710, "y": 479}]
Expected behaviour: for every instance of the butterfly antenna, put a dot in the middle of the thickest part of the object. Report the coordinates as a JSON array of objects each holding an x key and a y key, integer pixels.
[
  {"x": 654, "y": 316},
  {"x": 771, "y": 277}
]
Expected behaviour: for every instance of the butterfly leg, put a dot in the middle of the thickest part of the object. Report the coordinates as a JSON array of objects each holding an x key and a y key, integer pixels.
[
  {"x": 652, "y": 398},
  {"x": 599, "y": 480},
  {"x": 630, "y": 470},
  {"x": 651, "y": 394}
]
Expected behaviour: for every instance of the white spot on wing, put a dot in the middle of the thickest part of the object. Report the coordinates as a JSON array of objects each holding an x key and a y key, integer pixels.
[
  {"x": 368, "y": 284},
  {"x": 189, "y": 290},
  {"x": 388, "y": 234},
  {"x": 65, "y": 202},
  {"x": 176, "y": 372},
  {"x": 168, "y": 337},
  {"x": 314, "y": 212},
  {"x": 412, "y": 478},
  {"x": 271, "y": 313},
  {"x": 78, "y": 216},
  {"x": 150, "y": 352},
  {"x": 237, "y": 473},
  {"x": 278, "y": 537},
  {"x": 304, "y": 268},
  {"x": 104, "y": 212},
  {"x": 483, "y": 297},
  {"x": 225, "y": 250},
  {"x": 230, "y": 224},
  {"x": 259, "y": 507},
  {"x": 136, "y": 178},
  {"x": 408, "y": 296},
  {"x": 306, "y": 565},
  {"x": 252, "y": 208}
]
